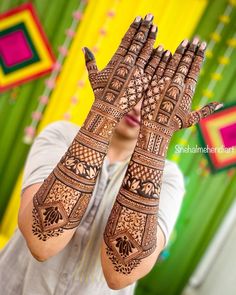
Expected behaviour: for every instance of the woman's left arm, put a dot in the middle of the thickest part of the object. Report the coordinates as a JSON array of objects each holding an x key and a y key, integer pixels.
[{"x": 132, "y": 238}]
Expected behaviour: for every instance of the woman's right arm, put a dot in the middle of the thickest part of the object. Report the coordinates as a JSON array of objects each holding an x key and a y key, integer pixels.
[{"x": 51, "y": 211}]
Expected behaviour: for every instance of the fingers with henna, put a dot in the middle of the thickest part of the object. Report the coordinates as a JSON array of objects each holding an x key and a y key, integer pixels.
[
  {"x": 197, "y": 63},
  {"x": 128, "y": 38},
  {"x": 147, "y": 49},
  {"x": 195, "y": 116},
  {"x": 187, "y": 58},
  {"x": 159, "y": 73},
  {"x": 139, "y": 40},
  {"x": 174, "y": 61},
  {"x": 192, "y": 76},
  {"x": 90, "y": 64},
  {"x": 154, "y": 60}
]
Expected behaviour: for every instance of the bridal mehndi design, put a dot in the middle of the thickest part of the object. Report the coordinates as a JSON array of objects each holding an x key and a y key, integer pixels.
[
  {"x": 130, "y": 234},
  {"x": 166, "y": 84},
  {"x": 61, "y": 201}
]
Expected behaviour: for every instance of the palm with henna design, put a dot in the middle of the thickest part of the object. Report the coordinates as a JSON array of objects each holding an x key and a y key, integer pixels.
[
  {"x": 119, "y": 86},
  {"x": 168, "y": 100},
  {"x": 165, "y": 109}
]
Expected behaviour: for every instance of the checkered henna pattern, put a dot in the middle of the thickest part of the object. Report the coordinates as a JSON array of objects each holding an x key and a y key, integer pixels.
[
  {"x": 61, "y": 201},
  {"x": 119, "y": 86},
  {"x": 130, "y": 234}
]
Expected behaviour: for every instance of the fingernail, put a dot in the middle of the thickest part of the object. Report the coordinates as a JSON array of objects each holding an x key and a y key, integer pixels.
[
  {"x": 195, "y": 40},
  {"x": 83, "y": 49},
  {"x": 184, "y": 43},
  {"x": 203, "y": 46},
  {"x": 154, "y": 29},
  {"x": 219, "y": 106},
  {"x": 88, "y": 54},
  {"x": 137, "y": 19},
  {"x": 160, "y": 48},
  {"x": 149, "y": 17},
  {"x": 167, "y": 53}
]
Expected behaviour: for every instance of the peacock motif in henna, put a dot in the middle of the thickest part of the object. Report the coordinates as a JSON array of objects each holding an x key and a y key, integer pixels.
[
  {"x": 61, "y": 201},
  {"x": 130, "y": 234}
]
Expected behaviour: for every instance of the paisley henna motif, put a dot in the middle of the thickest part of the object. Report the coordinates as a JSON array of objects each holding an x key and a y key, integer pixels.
[{"x": 131, "y": 230}]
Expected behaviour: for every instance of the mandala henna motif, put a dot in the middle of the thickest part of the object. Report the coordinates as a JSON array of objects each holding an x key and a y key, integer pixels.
[
  {"x": 130, "y": 234},
  {"x": 61, "y": 201}
]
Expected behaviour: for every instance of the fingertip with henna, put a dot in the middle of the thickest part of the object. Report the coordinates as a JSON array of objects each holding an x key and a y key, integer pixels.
[
  {"x": 136, "y": 23},
  {"x": 167, "y": 55},
  {"x": 138, "y": 19},
  {"x": 154, "y": 28},
  {"x": 153, "y": 32},
  {"x": 201, "y": 49},
  {"x": 218, "y": 106},
  {"x": 159, "y": 51},
  {"x": 88, "y": 54},
  {"x": 203, "y": 45},
  {"x": 182, "y": 47},
  {"x": 147, "y": 22},
  {"x": 194, "y": 45},
  {"x": 149, "y": 17}
]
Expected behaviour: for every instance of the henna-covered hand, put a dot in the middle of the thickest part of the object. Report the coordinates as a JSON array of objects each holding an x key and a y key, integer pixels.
[
  {"x": 168, "y": 100},
  {"x": 131, "y": 231},
  {"x": 61, "y": 201},
  {"x": 121, "y": 84}
]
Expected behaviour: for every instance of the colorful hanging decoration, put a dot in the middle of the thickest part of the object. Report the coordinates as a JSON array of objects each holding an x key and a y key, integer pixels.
[
  {"x": 218, "y": 137},
  {"x": 24, "y": 50},
  {"x": 51, "y": 81},
  {"x": 102, "y": 32}
]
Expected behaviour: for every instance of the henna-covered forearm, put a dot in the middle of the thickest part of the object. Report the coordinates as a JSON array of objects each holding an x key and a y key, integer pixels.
[
  {"x": 130, "y": 234},
  {"x": 131, "y": 231},
  {"x": 61, "y": 201}
]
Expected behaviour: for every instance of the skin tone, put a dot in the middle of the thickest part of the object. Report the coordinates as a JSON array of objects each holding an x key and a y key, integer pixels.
[{"x": 125, "y": 135}]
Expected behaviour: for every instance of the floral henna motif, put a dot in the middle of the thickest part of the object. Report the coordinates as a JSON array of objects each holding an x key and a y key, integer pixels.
[
  {"x": 82, "y": 160},
  {"x": 131, "y": 230},
  {"x": 63, "y": 198},
  {"x": 126, "y": 235},
  {"x": 125, "y": 246},
  {"x": 37, "y": 230},
  {"x": 52, "y": 215},
  {"x": 122, "y": 268}
]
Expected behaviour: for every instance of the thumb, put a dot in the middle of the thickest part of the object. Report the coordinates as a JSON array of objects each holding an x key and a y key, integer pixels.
[
  {"x": 90, "y": 61},
  {"x": 195, "y": 116}
]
